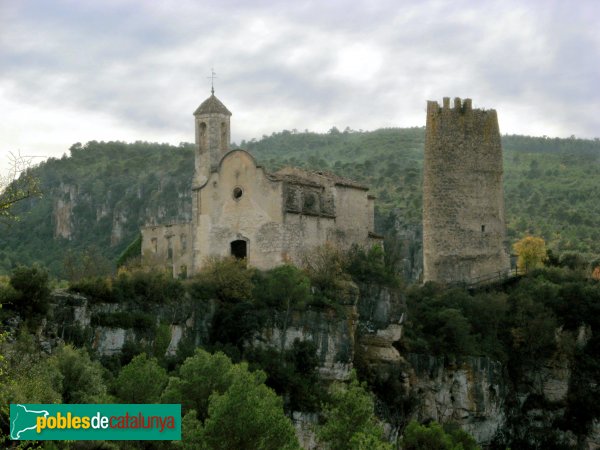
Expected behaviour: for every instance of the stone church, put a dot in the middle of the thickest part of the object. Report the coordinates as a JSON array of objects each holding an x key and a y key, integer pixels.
[{"x": 240, "y": 209}]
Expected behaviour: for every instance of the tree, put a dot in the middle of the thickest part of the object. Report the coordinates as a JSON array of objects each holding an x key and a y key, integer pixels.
[
  {"x": 82, "y": 378},
  {"x": 226, "y": 279},
  {"x": 141, "y": 381},
  {"x": 248, "y": 415},
  {"x": 285, "y": 288},
  {"x": 227, "y": 406},
  {"x": 350, "y": 416},
  {"x": 531, "y": 253},
  {"x": 16, "y": 185},
  {"x": 199, "y": 376},
  {"x": 32, "y": 290},
  {"x": 433, "y": 437}
]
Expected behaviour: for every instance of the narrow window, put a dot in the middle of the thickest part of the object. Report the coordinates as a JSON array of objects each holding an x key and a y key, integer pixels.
[
  {"x": 183, "y": 243},
  {"x": 223, "y": 136},
  {"x": 203, "y": 134},
  {"x": 169, "y": 248},
  {"x": 154, "y": 243},
  {"x": 483, "y": 228}
]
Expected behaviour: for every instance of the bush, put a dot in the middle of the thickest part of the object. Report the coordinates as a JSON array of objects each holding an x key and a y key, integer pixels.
[
  {"x": 434, "y": 437},
  {"x": 33, "y": 291},
  {"x": 142, "y": 287},
  {"x": 141, "y": 381},
  {"x": 96, "y": 289},
  {"x": 224, "y": 279}
]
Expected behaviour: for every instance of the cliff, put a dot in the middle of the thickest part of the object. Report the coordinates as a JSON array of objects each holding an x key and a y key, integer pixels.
[{"x": 366, "y": 332}]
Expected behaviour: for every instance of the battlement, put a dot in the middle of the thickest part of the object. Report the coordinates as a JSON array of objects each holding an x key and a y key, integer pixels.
[
  {"x": 461, "y": 106},
  {"x": 463, "y": 203}
]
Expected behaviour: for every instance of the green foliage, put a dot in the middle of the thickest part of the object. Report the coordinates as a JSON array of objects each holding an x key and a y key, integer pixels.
[
  {"x": 82, "y": 378},
  {"x": 325, "y": 266},
  {"x": 141, "y": 287},
  {"x": 28, "y": 378},
  {"x": 18, "y": 184},
  {"x": 227, "y": 406},
  {"x": 369, "y": 266},
  {"x": 283, "y": 287},
  {"x": 96, "y": 289},
  {"x": 133, "y": 251},
  {"x": 292, "y": 374},
  {"x": 433, "y": 437},
  {"x": 248, "y": 415},
  {"x": 89, "y": 263},
  {"x": 124, "y": 319},
  {"x": 144, "y": 177},
  {"x": 199, "y": 376},
  {"x": 349, "y": 417},
  {"x": 226, "y": 279},
  {"x": 141, "y": 381},
  {"x": 32, "y": 291}
]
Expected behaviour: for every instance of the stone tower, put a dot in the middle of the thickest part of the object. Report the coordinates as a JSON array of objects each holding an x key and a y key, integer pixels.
[
  {"x": 463, "y": 198},
  {"x": 213, "y": 135}
]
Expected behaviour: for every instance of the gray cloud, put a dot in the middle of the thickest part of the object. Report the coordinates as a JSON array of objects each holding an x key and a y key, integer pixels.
[{"x": 138, "y": 69}]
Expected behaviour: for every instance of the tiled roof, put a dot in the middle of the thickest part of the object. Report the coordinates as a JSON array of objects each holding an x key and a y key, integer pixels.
[{"x": 212, "y": 105}]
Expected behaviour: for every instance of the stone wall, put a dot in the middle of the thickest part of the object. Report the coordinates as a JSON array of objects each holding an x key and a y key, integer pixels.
[
  {"x": 168, "y": 246},
  {"x": 463, "y": 201}
]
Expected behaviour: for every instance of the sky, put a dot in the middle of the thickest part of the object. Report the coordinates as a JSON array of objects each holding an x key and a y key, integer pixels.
[{"x": 81, "y": 70}]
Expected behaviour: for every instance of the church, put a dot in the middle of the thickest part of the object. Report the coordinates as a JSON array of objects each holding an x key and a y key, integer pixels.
[{"x": 239, "y": 209}]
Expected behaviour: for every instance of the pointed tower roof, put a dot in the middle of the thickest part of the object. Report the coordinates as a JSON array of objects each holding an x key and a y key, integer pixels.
[{"x": 212, "y": 105}]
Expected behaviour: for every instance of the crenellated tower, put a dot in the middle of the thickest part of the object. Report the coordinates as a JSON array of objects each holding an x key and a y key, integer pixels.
[
  {"x": 463, "y": 199},
  {"x": 213, "y": 136}
]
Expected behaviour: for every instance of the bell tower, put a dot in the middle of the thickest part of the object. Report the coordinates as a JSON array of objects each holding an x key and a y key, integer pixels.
[{"x": 213, "y": 135}]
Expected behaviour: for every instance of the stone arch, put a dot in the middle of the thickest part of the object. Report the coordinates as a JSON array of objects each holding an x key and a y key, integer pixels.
[{"x": 203, "y": 134}]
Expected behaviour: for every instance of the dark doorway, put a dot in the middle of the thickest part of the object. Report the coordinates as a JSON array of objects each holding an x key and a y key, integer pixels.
[{"x": 239, "y": 249}]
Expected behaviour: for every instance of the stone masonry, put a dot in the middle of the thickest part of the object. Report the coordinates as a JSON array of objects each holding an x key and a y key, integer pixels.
[
  {"x": 463, "y": 200},
  {"x": 268, "y": 219}
]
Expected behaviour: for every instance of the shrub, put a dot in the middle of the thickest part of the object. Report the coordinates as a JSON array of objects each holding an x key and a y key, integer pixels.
[
  {"x": 224, "y": 279},
  {"x": 96, "y": 289},
  {"x": 33, "y": 291}
]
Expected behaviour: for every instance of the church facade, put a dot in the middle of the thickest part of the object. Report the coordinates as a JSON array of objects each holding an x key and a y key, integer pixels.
[{"x": 239, "y": 209}]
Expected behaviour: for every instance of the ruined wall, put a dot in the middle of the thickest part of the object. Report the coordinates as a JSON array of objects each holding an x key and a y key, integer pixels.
[
  {"x": 463, "y": 200},
  {"x": 168, "y": 246}
]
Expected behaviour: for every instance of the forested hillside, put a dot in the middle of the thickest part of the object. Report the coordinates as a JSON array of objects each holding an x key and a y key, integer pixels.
[{"x": 96, "y": 199}]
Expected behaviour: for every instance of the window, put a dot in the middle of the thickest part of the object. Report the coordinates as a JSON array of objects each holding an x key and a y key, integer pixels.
[
  {"x": 239, "y": 249},
  {"x": 169, "y": 248},
  {"x": 154, "y": 243},
  {"x": 223, "y": 136},
  {"x": 483, "y": 228},
  {"x": 237, "y": 193},
  {"x": 203, "y": 134},
  {"x": 183, "y": 243}
]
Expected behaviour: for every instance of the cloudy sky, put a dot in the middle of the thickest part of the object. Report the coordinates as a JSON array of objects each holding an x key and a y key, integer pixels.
[{"x": 74, "y": 71}]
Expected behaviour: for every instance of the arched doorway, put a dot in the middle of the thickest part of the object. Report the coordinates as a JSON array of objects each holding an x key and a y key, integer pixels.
[{"x": 239, "y": 249}]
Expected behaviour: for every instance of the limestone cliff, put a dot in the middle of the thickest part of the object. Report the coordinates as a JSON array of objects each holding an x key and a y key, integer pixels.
[{"x": 476, "y": 393}]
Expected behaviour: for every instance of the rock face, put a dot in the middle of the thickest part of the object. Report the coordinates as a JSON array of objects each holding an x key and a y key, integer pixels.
[
  {"x": 475, "y": 393},
  {"x": 471, "y": 394},
  {"x": 66, "y": 199}
]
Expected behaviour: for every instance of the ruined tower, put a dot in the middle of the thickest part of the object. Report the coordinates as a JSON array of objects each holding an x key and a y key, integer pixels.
[
  {"x": 463, "y": 199},
  {"x": 213, "y": 135}
]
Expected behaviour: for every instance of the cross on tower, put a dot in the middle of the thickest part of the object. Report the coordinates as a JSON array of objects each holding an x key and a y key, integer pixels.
[{"x": 212, "y": 77}]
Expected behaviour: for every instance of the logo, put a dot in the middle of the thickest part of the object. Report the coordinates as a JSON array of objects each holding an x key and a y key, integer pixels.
[{"x": 95, "y": 422}]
